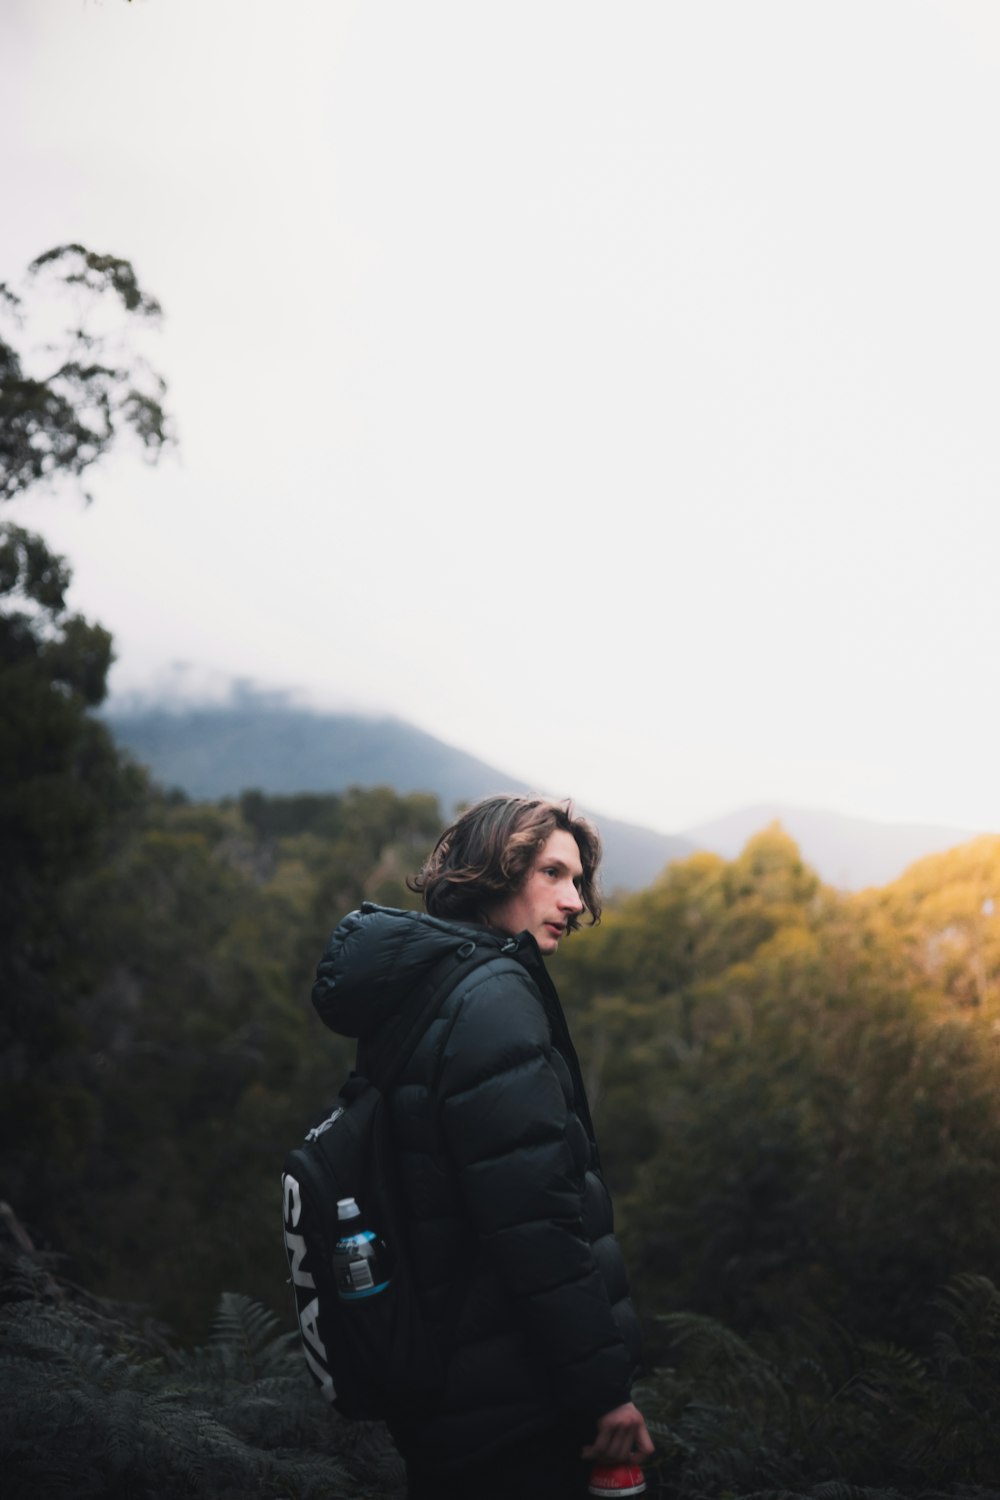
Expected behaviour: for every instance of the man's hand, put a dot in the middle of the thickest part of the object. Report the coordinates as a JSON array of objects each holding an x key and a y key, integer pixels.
[{"x": 622, "y": 1437}]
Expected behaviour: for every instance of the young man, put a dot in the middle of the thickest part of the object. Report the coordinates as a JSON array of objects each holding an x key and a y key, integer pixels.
[{"x": 510, "y": 1222}]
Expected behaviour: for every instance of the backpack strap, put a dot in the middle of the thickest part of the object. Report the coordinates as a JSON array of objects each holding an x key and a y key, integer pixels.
[{"x": 399, "y": 1042}]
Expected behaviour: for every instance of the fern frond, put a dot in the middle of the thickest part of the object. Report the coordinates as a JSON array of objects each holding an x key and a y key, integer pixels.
[
  {"x": 831, "y": 1489},
  {"x": 773, "y": 1495},
  {"x": 241, "y": 1321},
  {"x": 968, "y": 1351},
  {"x": 723, "y": 1365},
  {"x": 707, "y": 1336},
  {"x": 838, "y": 1489},
  {"x": 902, "y": 1364},
  {"x": 78, "y": 1420}
]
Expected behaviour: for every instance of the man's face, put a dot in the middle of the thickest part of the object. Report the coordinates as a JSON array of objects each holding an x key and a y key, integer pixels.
[{"x": 548, "y": 897}]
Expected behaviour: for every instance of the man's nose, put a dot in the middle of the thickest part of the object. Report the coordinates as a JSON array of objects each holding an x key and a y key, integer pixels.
[{"x": 571, "y": 898}]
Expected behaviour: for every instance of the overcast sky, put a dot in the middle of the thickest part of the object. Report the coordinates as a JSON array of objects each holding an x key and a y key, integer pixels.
[{"x": 611, "y": 390}]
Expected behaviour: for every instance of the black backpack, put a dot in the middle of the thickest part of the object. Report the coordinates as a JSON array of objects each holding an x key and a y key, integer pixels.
[{"x": 369, "y": 1354}]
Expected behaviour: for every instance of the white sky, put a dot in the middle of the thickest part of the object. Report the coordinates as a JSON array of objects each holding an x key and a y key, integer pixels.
[{"x": 612, "y": 390}]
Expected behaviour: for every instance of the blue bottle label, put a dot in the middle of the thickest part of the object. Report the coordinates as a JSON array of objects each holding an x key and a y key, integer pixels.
[{"x": 356, "y": 1266}]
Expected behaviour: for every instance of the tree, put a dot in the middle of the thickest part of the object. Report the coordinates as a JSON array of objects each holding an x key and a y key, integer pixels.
[
  {"x": 64, "y": 401},
  {"x": 60, "y": 775},
  {"x": 64, "y": 787},
  {"x": 59, "y": 772}
]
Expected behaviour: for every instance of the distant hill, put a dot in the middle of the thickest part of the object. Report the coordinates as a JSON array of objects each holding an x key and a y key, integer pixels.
[
  {"x": 263, "y": 741},
  {"x": 847, "y": 852},
  {"x": 260, "y": 742}
]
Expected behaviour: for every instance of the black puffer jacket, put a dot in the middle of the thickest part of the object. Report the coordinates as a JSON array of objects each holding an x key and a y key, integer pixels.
[{"x": 511, "y": 1224}]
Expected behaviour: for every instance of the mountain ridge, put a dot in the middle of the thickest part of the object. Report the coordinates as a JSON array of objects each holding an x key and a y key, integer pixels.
[
  {"x": 856, "y": 852},
  {"x": 263, "y": 741},
  {"x": 211, "y": 751}
]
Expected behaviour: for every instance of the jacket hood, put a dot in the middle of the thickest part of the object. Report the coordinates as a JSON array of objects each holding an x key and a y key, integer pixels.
[{"x": 378, "y": 955}]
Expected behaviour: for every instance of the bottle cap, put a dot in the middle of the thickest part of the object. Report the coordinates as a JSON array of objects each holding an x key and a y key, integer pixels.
[
  {"x": 347, "y": 1208},
  {"x": 616, "y": 1479}
]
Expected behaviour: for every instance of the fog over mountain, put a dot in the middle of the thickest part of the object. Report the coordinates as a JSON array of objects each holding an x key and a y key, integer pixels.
[{"x": 265, "y": 741}]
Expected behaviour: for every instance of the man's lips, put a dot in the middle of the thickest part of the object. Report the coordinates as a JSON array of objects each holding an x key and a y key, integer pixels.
[{"x": 557, "y": 927}]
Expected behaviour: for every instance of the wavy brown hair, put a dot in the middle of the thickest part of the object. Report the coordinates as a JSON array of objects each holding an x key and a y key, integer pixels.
[{"x": 488, "y": 852}]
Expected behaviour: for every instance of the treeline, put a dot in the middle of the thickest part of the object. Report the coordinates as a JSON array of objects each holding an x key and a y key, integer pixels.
[
  {"x": 798, "y": 1097},
  {"x": 796, "y": 1094},
  {"x": 798, "y": 1090},
  {"x": 160, "y": 1052}
]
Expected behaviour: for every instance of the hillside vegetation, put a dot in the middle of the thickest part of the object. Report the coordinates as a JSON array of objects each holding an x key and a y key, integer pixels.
[
  {"x": 797, "y": 1095},
  {"x": 260, "y": 740}
]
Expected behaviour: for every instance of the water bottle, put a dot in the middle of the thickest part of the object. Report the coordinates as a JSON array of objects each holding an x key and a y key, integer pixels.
[
  {"x": 616, "y": 1479},
  {"x": 360, "y": 1261}
]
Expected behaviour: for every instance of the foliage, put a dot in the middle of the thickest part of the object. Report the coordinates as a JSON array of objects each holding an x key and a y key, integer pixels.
[
  {"x": 66, "y": 793},
  {"x": 66, "y": 399},
  {"x": 855, "y": 1418},
  {"x": 66, "y": 796},
  {"x": 797, "y": 1092},
  {"x": 800, "y": 1121},
  {"x": 88, "y": 1407},
  {"x": 189, "y": 1058},
  {"x": 59, "y": 771},
  {"x": 92, "y": 1405}
]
